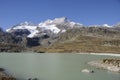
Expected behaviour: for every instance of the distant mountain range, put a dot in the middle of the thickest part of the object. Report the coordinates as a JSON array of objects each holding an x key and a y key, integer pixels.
[{"x": 49, "y": 35}]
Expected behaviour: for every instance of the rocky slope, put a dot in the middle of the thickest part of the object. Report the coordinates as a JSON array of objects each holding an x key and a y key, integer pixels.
[{"x": 10, "y": 43}]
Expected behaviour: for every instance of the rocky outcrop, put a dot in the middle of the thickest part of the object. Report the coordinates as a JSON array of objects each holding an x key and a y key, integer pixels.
[
  {"x": 5, "y": 76},
  {"x": 21, "y": 32},
  {"x": 109, "y": 64},
  {"x": 114, "y": 62}
]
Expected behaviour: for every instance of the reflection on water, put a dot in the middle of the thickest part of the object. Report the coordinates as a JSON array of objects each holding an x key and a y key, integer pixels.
[{"x": 54, "y": 66}]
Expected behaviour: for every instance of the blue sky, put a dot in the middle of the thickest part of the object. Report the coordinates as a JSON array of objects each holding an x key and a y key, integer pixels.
[{"x": 87, "y": 12}]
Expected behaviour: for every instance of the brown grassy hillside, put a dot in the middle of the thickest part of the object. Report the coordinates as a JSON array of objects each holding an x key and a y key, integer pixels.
[
  {"x": 98, "y": 40},
  {"x": 84, "y": 44}
]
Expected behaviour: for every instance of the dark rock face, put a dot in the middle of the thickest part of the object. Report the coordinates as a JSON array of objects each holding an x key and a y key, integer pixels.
[
  {"x": 21, "y": 32},
  {"x": 33, "y": 42},
  {"x": 45, "y": 36}
]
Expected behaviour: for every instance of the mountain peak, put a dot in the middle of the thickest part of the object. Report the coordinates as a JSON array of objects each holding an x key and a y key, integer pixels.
[
  {"x": 61, "y": 20},
  {"x": 106, "y": 25},
  {"x": 26, "y": 23}
]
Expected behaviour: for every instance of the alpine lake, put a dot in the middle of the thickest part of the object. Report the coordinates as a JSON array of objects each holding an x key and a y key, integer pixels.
[{"x": 54, "y": 66}]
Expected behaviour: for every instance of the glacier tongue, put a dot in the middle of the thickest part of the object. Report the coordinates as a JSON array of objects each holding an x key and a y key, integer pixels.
[{"x": 33, "y": 34}]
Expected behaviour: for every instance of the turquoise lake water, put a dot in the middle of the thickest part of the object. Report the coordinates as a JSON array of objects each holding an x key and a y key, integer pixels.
[{"x": 51, "y": 66}]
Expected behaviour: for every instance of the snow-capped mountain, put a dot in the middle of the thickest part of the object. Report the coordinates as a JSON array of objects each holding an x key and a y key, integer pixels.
[
  {"x": 106, "y": 25},
  {"x": 58, "y": 25},
  {"x": 23, "y": 28},
  {"x": 50, "y": 27}
]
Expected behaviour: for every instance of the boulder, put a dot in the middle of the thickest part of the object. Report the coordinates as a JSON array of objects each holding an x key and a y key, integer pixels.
[
  {"x": 87, "y": 71},
  {"x": 2, "y": 69}
]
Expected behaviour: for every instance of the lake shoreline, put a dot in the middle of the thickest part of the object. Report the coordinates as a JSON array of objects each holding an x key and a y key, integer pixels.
[
  {"x": 106, "y": 54},
  {"x": 103, "y": 54},
  {"x": 103, "y": 65}
]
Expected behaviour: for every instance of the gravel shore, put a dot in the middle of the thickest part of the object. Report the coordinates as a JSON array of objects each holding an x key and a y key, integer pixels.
[
  {"x": 5, "y": 76},
  {"x": 100, "y": 64}
]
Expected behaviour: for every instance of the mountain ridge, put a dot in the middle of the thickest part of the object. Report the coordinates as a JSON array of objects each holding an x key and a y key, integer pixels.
[{"x": 61, "y": 34}]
